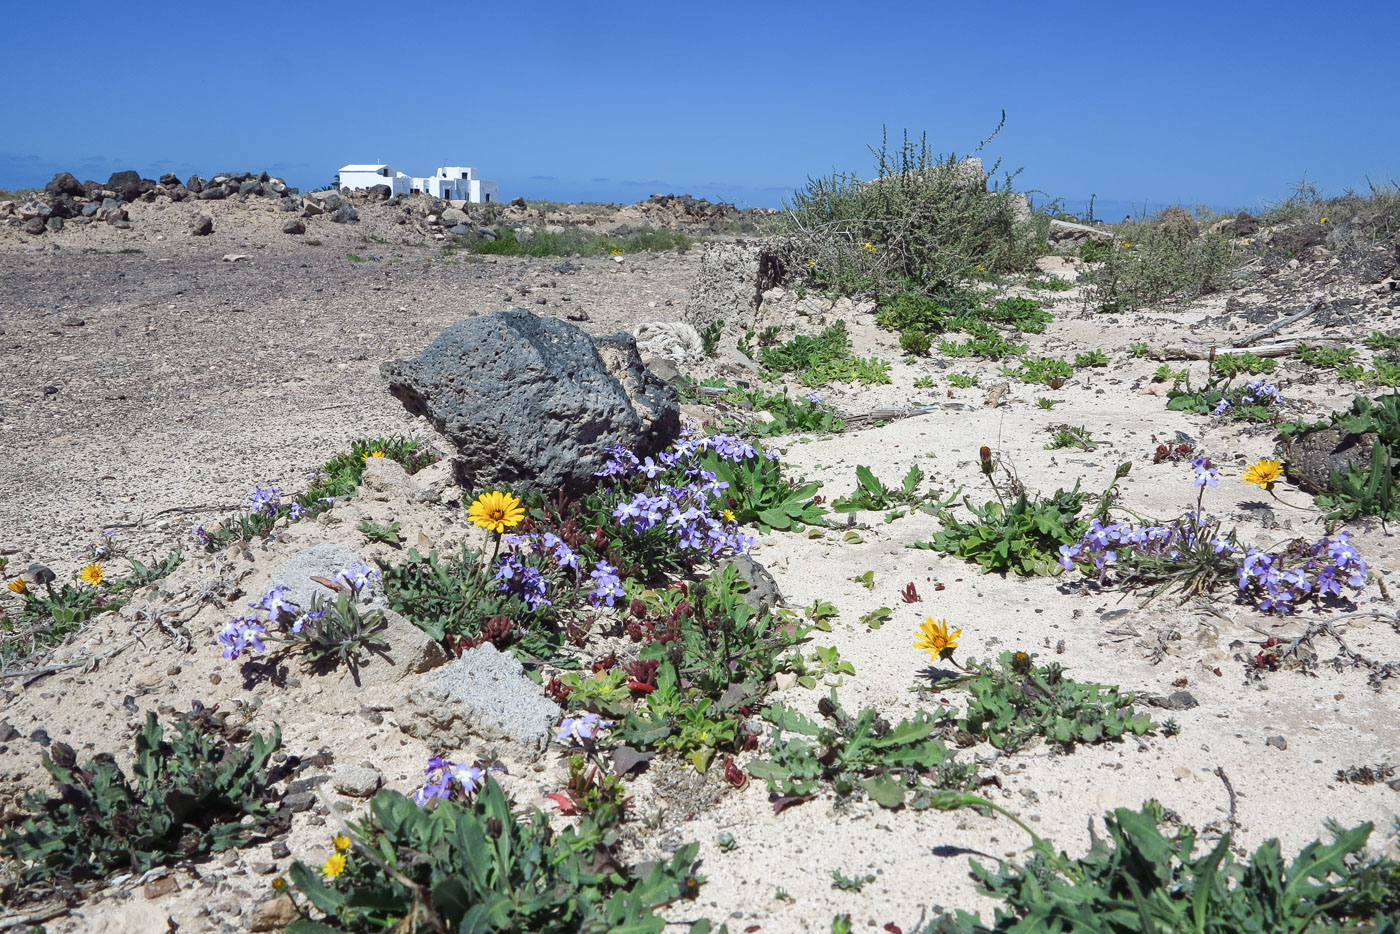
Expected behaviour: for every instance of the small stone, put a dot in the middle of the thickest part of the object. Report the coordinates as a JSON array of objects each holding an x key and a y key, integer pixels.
[
  {"x": 356, "y": 781},
  {"x": 41, "y": 737},
  {"x": 158, "y": 887},
  {"x": 1278, "y": 742},
  {"x": 300, "y": 802},
  {"x": 173, "y": 670},
  {"x": 203, "y": 226},
  {"x": 73, "y": 322},
  {"x": 280, "y": 850},
  {"x": 275, "y": 914},
  {"x": 263, "y": 869}
]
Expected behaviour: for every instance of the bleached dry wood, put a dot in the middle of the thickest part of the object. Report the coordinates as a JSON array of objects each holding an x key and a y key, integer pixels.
[
  {"x": 1282, "y": 349},
  {"x": 1277, "y": 326}
]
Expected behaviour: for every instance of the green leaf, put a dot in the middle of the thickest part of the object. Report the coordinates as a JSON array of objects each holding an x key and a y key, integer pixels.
[{"x": 884, "y": 790}]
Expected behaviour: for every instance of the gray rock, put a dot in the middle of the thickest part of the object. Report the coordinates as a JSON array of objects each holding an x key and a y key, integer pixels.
[
  {"x": 310, "y": 208},
  {"x": 1178, "y": 224},
  {"x": 250, "y": 188},
  {"x": 34, "y": 208},
  {"x": 487, "y": 233},
  {"x": 1313, "y": 458},
  {"x": 34, "y": 226},
  {"x": 54, "y": 224},
  {"x": 453, "y": 216},
  {"x": 763, "y": 593},
  {"x": 294, "y": 226},
  {"x": 1278, "y": 742},
  {"x": 534, "y": 402},
  {"x": 1065, "y": 232},
  {"x": 732, "y": 278},
  {"x": 357, "y": 781},
  {"x": 464, "y": 230},
  {"x": 323, "y": 560},
  {"x": 203, "y": 226},
  {"x": 195, "y": 184},
  {"x": 484, "y": 694},
  {"x": 386, "y": 481},
  {"x": 212, "y": 193},
  {"x": 345, "y": 214}
]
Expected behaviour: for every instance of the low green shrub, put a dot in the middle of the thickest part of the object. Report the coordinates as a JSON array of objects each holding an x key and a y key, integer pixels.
[
  {"x": 582, "y": 241},
  {"x": 825, "y": 358},
  {"x": 1152, "y": 263},
  {"x": 200, "y": 792},
  {"x": 478, "y": 866},
  {"x": 890, "y": 763},
  {"x": 1015, "y": 701},
  {"x": 1138, "y": 878},
  {"x": 922, "y": 222}
]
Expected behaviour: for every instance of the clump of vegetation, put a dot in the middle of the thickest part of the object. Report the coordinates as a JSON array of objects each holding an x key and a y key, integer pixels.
[
  {"x": 1046, "y": 371},
  {"x": 582, "y": 242},
  {"x": 1151, "y": 262},
  {"x": 924, "y": 222},
  {"x": 872, "y": 495},
  {"x": 1015, "y": 701},
  {"x": 1326, "y": 358},
  {"x": 1231, "y": 365},
  {"x": 889, "y": 762},
  {"x": 200, "y": 792},
  {"x": 1139, "y": 878},
  {"x": 476, "y": 865},
  {"x": 49, "y": 614},
  {"x": 760, "y": 414},
  {"x": 917, "y": 316},
  {"x": 1069, "y": 437},
  {"x": 825, "y": 358}
]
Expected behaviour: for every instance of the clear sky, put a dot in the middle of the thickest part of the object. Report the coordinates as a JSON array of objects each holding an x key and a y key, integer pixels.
[{"x": 1223, "y": 102}]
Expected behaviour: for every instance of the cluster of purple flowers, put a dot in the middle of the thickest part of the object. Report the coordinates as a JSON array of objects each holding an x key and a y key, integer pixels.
[
  {"x": 688, "y": 500},
  {"x": 276, "y": 609},
  {"x": 442, "y": 775},
  {"x": 582, "y": 730},
  {"x": 265, "y": 500},
  {"x": 1101, "y": 543},
  {"x": 1256, "y": 392},
  {"x": 1276, "y": 586}
]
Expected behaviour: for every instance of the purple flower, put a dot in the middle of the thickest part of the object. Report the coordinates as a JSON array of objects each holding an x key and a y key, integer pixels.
[
  {"x": 1206, "y": 475},
  {"x": 608, "y": 586},
  {"x": 275, "y": 602},
  {"x": 582, "y": 730},
  {"x": 265, "y": 500},
  {"x": 240, "y": 635},
  {"x": 357, "y": 577},
  {"x": 441, "y": 775}
]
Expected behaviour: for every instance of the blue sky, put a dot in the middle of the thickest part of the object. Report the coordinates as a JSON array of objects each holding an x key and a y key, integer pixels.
[{"x": 1225, "y": 103}]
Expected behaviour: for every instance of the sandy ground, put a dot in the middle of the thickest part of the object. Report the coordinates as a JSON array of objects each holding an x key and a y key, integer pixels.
[{"x": 191, "y": 379}]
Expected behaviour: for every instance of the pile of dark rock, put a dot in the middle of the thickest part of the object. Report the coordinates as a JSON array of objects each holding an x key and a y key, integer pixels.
[{"x": 67, "y": 200}]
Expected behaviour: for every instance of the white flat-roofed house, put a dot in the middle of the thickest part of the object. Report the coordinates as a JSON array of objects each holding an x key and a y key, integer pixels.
[
  {"x": 450, "y": 182},
  {"x": 368, "y": 176}
]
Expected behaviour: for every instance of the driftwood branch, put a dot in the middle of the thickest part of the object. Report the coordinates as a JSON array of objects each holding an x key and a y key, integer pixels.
[
  {"x": 1281, "y": 349},
  {"x": 1277, "y": 326}
]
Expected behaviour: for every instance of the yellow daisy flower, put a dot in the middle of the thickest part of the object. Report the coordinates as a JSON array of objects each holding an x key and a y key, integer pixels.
[
  {"x": 342, "y": 843},
  {"x": 729, "y": 515},
  {"x": 811, "y": 262},
  {"x": 373, "y": 454},
  {"x": 92, "y": 574},
  {"x": 18, "y": 586},
  {"x": 496, "y": 511},
  {"x": 1264, "y": 473},
  {"x": 334, "y": 866},
  {"x": 1323, "y": 221},
  {"x": 279, "y": 884},
  {"x": 936, "y": 640}
]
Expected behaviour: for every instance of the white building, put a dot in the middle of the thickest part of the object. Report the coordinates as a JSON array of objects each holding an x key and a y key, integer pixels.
[{"x": 450, "y": 182}]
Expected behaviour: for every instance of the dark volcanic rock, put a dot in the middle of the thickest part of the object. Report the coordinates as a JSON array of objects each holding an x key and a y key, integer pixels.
[
  {"x": 1313, "y": 458},
  {"x": 1245, "y": 224},
  {"x": 203, "y": 226},
  {"x": 535, "y": 402},
  {"x": 64, "y": 184},
  {"x": 120, "y": 180},
  {"x": 294, "y": 227},
  {"x": 1295, "y": 240},
  {"x": 345, "y": 214}
]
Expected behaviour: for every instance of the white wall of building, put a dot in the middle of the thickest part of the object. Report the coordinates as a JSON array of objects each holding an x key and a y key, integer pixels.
[{"x": 450, "y": 182}]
